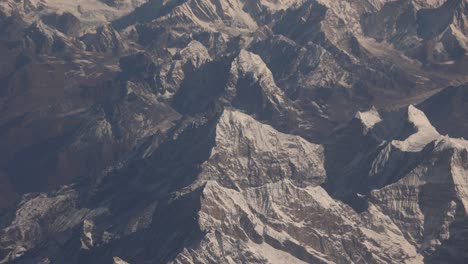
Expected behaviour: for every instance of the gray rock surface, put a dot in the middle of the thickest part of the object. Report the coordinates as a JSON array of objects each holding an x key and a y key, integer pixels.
[{"x": 233, "y": 131}]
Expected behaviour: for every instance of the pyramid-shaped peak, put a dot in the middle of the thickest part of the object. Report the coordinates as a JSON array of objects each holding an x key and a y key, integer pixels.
[
  {"x": 247, "y": 61},
  {"x": 259, "y": 154}
]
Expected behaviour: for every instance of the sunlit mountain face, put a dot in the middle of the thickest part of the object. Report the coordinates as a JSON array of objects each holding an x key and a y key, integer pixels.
[{"x": 233, "y": 131}]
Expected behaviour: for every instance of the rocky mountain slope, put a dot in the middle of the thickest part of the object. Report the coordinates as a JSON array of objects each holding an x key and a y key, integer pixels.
[{"x": 233, "y": 131}]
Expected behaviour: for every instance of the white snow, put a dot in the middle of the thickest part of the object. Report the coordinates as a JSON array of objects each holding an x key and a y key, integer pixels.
[
  {"x": 196, "y": 53},
  {"x": 118, "y": 260},
  {"x": 273, "y": 255},
  {"x": 90, "y": 12},
  {"x": 446, "y": 142},
  {"x": 425, "y": 132},
  {"x": 235, "y": 127},
  {"x": 214, "y": 15},
  {"x": 369, "y": 118},
  {"x": 276, "y": 5}
]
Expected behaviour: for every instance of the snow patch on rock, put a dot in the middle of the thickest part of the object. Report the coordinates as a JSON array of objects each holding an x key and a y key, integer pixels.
[
  {"x": 425, "y": 132},
  {"x": 369, "y": 118}
]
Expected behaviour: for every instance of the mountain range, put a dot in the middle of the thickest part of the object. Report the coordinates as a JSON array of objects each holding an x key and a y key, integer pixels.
[{"x": 234, "y": 131}]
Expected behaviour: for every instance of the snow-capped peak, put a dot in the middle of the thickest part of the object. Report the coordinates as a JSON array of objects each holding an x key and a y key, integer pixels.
[
  {"x": 425, "y": 132},
  {"x": 249, "y": 66},
  {"x": 91, "y": 13},
  {"x": 250, "y": 144},
  {"x": 196, "y": 53},
  {"x": 250, "y": 62}
]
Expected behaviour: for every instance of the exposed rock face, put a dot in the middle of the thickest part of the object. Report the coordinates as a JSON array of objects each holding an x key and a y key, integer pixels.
[
  {"x": 89, "y": 12},
  {"x": 251, "y": 87},
  {"x": 438, "y": 187},
  {"x": 295, "y": 159},
  {"x": 233, "y": 131},
  {"x": 25, "y": 232},
  {"x": 66, "y": 23},
  {"x": 106, "y": 39},
  {"x": 242, "y": 211},
  {"x": 229, "y": 16},
  {"x": 404, "y": 24},
  {"x": 416, "y": 177}
]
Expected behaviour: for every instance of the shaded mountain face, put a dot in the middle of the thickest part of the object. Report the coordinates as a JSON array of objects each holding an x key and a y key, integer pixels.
[
  {"x": 447, "y": 110},
  {"x": 415, "y": 31},
  {"x": 233, "y": 131}
]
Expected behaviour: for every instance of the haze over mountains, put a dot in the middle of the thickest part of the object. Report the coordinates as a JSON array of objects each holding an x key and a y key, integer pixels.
[{"x": 233, "y": 131}]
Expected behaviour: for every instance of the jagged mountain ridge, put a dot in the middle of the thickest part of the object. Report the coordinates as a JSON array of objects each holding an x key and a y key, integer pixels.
[
  {"x": 220, "y": 192},
  {"x": 193, "y": 127},
  {"x": 408, "y": 165},
  {"x": 297, "y": 167}
]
